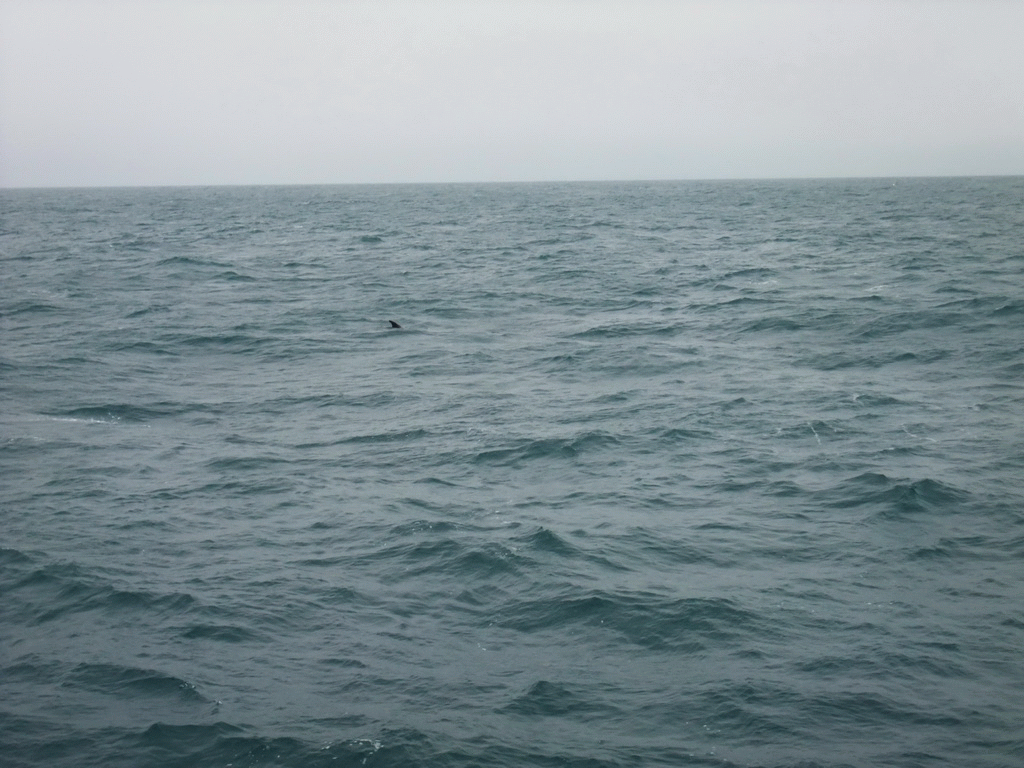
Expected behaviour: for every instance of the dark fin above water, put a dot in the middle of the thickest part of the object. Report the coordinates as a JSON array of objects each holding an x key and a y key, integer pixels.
[{"x": 394, "y": 324}]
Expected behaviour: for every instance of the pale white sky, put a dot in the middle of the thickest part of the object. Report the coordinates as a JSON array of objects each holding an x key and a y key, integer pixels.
[{"x": 156, "y": 92}]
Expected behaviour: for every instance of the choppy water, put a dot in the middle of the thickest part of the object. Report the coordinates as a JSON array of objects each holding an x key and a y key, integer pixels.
[{"x": 669, "y": 474}]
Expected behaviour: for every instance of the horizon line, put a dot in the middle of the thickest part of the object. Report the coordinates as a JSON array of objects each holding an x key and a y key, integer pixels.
[{"x": 508, "y": 182}]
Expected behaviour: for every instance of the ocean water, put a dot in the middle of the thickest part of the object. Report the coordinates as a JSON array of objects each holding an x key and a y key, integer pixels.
[{"x": 653, "y": 474}]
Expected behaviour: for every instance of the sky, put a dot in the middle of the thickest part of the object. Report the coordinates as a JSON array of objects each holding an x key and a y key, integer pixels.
[{"x": 196, "y": 92}]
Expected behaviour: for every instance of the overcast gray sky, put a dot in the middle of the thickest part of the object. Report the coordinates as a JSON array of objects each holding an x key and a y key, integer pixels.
[{"x": 155, "y": 92}]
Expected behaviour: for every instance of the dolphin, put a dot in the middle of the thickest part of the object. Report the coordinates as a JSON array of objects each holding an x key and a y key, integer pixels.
[{"x": 394, "y": 324}]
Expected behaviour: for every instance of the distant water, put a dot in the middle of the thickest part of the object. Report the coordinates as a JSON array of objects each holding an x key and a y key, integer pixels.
[{"x": 654, "y": 474}]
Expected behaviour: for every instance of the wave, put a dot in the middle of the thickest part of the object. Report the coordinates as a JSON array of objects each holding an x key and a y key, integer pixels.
[
  {"x": 901, "y": 322},
  {"x": 444, "y": 558},
  {"x": 548, "y": 448},
  {"x": 626, "y": 330},
  {"x": 129, "y": 682},
  {"x": 29, "y": 307},
  {"x": 887, "y": 497},
  {"x": 113, "y": 413},
  {"x": 649, "y": 620},
  {"x": 549, "y": 699},
  {"x": 773, "y": 324},
  {"x": 191, "y": 261},
  {"x": 55, "y": 591},
  {"x": 223, "y": 633}
]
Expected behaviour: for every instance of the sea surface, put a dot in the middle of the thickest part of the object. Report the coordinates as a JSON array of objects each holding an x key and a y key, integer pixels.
[{"x": 652, "y": 474}]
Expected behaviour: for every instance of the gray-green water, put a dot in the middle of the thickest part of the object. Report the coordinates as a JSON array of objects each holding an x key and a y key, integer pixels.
[{"x": 667, "y": 474}]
